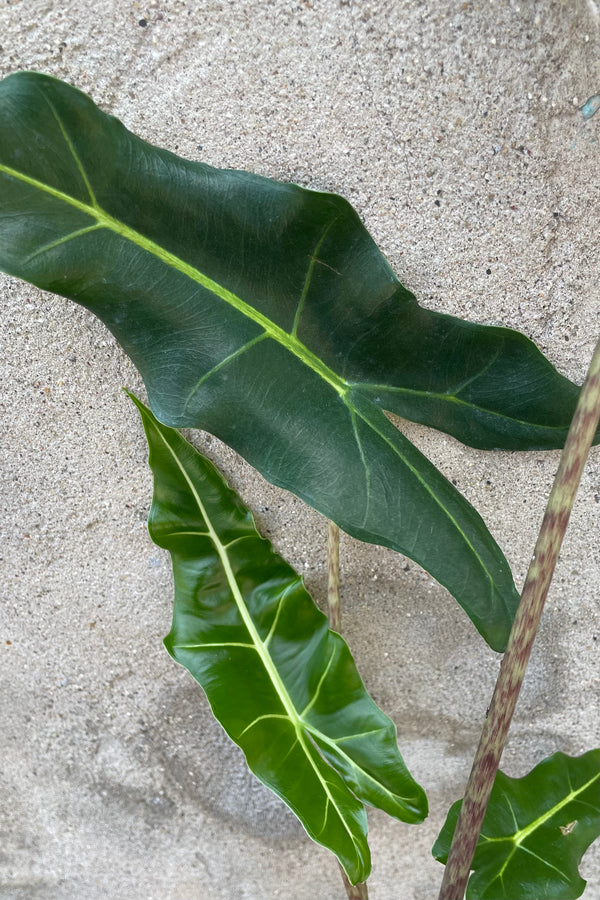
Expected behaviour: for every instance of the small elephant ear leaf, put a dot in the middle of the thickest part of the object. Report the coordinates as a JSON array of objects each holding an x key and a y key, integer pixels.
[
  {"x": 283, "y": 686},
  {"x": 265, "y": 314},
  {"x": 535, "y": 831}
]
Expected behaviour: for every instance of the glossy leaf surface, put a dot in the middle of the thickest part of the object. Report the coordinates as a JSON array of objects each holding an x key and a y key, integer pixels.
[
  {"x": 265, "y": 314},
  {"x": 284, "y": 686},
  {"x": 535, "y": 831}
]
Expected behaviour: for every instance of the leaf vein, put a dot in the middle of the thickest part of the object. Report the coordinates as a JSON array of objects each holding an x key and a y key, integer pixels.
[
  {"x": 317, "y": 690},
  {"x": 72, "y": 150},
  {"x": 309, "y": 274},
  {"x": 62, "y": 240},
  {"x": 365, "y": 465},
  {"x": 224, "y": 362},
  {"x": 449, "y": 398}
]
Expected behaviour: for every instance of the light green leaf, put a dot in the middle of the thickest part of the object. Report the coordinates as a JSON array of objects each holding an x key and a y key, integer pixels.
[
  {"x": 284, "y": 686},
  {"x": 265, "y": 314},
  {"x": 535, "y": 831}
]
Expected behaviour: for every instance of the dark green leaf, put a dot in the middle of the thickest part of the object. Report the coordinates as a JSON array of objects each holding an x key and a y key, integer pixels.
[
  {"x": 281, "y": 683},
  {"x": 535, "y": 831},
  {"x": 264, "y": 313}
]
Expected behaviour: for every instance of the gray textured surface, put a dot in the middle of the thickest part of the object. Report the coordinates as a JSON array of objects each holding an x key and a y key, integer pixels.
[{"x": 455, "y": 131}]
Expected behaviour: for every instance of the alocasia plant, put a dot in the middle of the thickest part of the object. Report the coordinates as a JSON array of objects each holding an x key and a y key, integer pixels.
[{"x": 265, "y": 314}]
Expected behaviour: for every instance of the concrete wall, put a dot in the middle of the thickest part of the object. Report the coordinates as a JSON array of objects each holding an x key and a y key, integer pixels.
[{"x": 455, "y": 130}]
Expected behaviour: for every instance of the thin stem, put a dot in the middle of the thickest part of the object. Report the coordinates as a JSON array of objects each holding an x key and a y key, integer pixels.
[
  {"x": 333, "y": 577},
  {"x": 353, "y": 891},
  {"x": 522, "y": 636}
]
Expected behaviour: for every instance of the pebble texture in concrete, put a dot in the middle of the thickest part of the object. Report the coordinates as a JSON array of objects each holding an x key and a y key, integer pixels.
[{"x": 455, "y": 130}]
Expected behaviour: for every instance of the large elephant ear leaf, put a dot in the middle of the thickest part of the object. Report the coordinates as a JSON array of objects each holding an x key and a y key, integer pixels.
[
  {"x": 265, "y": 314},
  {"x": 284, "y": 687},
  {"x": 535, "y": 832}
]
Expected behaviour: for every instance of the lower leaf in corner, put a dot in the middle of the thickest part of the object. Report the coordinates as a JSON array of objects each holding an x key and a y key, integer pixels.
[
  {"x": 284, "y": 686},
  {"x": 535, "y": 831}
]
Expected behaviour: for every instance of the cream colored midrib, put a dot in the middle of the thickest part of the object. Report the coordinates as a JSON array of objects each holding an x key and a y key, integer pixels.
[
  {"x": 256, "y": 639},
  {"x": 525, "y": 832},
  {"x": 287, "y": 340},
  {"x": 298, "y": 719},
  {"x": 522, "y": 833},
  {"x": 239, "y": 600}
]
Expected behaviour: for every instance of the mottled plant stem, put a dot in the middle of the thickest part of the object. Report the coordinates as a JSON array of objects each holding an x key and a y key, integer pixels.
[
  {"x": 353, "y": 891},
  {"x": 522, "y": 636},
  {"x": 333, "y": 577}
]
